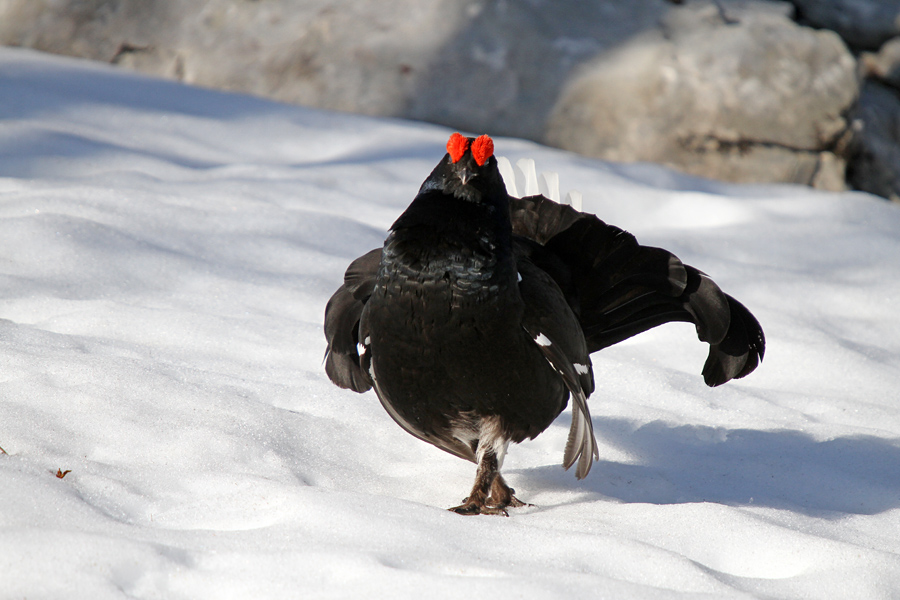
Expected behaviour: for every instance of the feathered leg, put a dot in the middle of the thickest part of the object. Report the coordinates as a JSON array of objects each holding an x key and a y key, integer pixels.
[
  {"x": 477, "y": 502},
  {"x": 490, "y": 495}
]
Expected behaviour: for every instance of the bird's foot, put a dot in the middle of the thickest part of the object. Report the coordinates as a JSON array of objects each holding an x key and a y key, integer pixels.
[
  {"x": 514, "y": 502},
  {"x": 491, "y": 505},
  {"x": 474, "y": 508},
  {"x": 503, "y": 495},
  {"x": 490, "y": 495}
]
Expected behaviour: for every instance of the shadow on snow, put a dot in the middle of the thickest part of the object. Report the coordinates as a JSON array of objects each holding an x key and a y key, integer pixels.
[{"x": 783, "y": 469}]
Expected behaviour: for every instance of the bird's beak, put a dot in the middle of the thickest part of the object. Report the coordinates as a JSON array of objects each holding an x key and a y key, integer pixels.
[{"x": 465, "y": 174}]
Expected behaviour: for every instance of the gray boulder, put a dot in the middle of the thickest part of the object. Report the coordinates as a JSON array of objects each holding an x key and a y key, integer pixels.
[
  {"x": 340, "y": 54},
  {"x": 502, "y": 72},
  {"x": 485, "y": 65},
  {"x": 754, "y": 97}
]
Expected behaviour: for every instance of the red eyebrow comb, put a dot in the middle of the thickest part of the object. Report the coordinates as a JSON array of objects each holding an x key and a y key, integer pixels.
[
  {"x": 457, "y": 146},
  {"x": 482, "y": 149}
]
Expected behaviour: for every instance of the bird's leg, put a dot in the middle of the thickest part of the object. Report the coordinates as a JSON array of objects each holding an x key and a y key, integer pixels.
[
  {"x": 485, "y": 476},
  {"x": 490, "y": 495}
]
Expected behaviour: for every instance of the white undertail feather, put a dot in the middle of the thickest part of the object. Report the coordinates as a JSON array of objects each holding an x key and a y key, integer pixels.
[
  {"x": 523, "y": 180},
  {"x": 526, "y": 177},
  {"x": 509, "y": 177},
  {"x": 548, "y": 184},
  {"x": 573, "y": 199}
]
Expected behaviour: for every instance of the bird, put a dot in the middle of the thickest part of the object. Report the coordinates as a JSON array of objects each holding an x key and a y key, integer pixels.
[{"x": 475, "y": 321}]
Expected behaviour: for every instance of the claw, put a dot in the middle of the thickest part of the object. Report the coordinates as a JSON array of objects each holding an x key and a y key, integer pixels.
[
  {"x": 514, "y": 502},
  {"x": 472, "y": 508}
]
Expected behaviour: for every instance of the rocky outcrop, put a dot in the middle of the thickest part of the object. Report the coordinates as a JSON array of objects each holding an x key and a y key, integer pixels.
[
  {"x": 503, "y": 71},
  {"x": 751, "y": 98},
  {"x": 734, "y": 90},
  {"x": 479, "y": 65},
  {"x": 339, "y": 54}
]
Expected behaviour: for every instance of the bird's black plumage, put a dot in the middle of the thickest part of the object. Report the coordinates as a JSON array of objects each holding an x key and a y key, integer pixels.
[{"x": 475, "y": 321}]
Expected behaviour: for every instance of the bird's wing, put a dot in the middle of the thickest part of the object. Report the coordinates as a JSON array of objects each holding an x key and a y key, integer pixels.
[
  {"x": 619, "y": 288},
  {"x": 342, "y": 314},
  {"x": 740, "y": 351},
  {"x": 549, "y": 321}
]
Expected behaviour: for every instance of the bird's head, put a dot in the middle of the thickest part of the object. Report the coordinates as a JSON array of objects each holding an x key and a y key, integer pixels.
[{"x": 468, "y": 170}]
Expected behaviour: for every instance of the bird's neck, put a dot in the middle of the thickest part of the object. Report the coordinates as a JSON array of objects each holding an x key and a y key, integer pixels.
[{"x": 442, "y": 238}]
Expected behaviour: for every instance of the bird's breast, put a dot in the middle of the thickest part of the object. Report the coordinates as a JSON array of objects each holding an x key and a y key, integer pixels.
[{"x": 454, "y": 275}]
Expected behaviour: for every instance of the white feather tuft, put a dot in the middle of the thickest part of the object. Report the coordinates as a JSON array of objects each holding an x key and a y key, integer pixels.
[
  {"x": 523, "y": 180},
  {"x": 573, "y": 199},
  {"x": 509, "y": 176},
  {"x": 526, "y": 177},
  {"x": 548, "y": 183}
]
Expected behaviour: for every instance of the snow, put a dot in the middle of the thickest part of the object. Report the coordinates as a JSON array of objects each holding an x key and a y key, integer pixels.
[{"x": 165, "y": 257}]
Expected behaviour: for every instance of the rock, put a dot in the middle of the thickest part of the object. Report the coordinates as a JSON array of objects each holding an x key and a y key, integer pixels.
[
  {"x": 747, "y": 97},
  {"x": 883, "y": 65},
  {"x": 875, "y": 165},
  {"x": 479, "y": 65},
  {"x": 340, "y": 54},
  {"x": 502, "y": 72},
  {"x": 864, "y": 24},
  {"x": 757, "y": 98}
]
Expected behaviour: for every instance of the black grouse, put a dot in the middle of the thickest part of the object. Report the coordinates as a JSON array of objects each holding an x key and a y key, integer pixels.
[{"x": 475, "y": 322}]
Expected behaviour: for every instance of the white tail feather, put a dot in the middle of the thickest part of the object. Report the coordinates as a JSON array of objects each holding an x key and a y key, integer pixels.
[
  {"x": 523, "y": 180},
  {"x": 548, "y": 183},
  {"x": 509, "y": 176},
  {"x": 573, "y": 199},
  {"x": 526, "y": 177}
]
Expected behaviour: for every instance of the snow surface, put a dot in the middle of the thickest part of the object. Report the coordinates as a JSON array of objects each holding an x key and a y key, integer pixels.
[{"x": 165, "y": 257}]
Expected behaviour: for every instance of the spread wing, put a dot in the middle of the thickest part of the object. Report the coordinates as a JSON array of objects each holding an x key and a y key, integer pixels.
[{"x": 618, "y": 288}]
